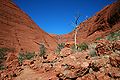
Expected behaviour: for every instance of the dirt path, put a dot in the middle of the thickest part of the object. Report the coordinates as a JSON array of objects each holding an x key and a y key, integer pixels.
[{"x": 28, "y": 74}]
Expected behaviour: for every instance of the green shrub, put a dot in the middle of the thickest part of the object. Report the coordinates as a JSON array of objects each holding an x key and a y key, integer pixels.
[
  {"x": 3, "y": 52},
  {"x": 98, "y": 38},
  {"x": 82, "y": 46},
  {"x": 73, "y": 48},
  {"x": 92, "y": 53},
  {"x": 57, "y": 51},
  {"x": 29, "y": 55},
  {"x": 2, "y": 67},
  {"x": 113, "y": 36},
  {"x": 59, "y": 47},
  {"x": 21, "y": 57},
  {"x": 92, "y": 50},
  {"x": 42, "y": 50},
  {"x": 110, "y": 37}
]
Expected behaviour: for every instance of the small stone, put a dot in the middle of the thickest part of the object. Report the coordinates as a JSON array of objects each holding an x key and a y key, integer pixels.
[
  {"x": 90, "y": 70},
  {"x": 85, "y": 64}
]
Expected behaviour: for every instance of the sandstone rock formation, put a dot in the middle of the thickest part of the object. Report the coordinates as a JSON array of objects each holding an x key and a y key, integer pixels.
[
  {"x": 101, "y": 24},
  {"x": 19, "y": 31}
]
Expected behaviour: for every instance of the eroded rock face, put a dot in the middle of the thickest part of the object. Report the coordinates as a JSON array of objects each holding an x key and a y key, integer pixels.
[
  {"x": 106, "y": 18},
  {"x": 73, "y": 66},
  {"x": 17, "y": 30},
  {"x": 101, "y": 24}
]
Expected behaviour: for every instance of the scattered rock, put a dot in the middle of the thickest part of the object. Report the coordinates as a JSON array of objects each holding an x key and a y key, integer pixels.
[
  {"x": 81, "y": 72},
  {"x": 103, "y": 47},
  {"x": 115, "y": 60},
  {"x": 88, "y": 77},
  {"x": 85, "y": 64},
  {"x": 26, "y": 62},
  {"x": 116, "y": 45},
  {"x": 114, "y": 73},
  {"x": 65, "y": 52},
  {"x": 102, "y": 76},
  {"x": 11, "y": 57}
]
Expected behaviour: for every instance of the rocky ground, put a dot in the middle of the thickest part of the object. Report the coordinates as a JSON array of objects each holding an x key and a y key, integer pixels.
[
  {"x": 100, "y": 61},
  {"x": 97, "y": 59}
]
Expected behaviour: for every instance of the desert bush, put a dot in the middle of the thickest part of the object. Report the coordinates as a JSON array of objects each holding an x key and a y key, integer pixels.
[
  {"x": 57, "y": 51},
  {"x": 113, "y": 36},
  {"x": 98, "y": 38},
  {"x": 110, "y": 37},
  {"x": 82, "y": 46},
  {"x": 92, "y": 53},
  {"x": 3, "y": 53},
  {"x": 73, "y": 47},
  {"x": 29, "y": 55},
  {"x": 42, "y": 50},
  {"x": 21, "y": 57},
  {"x": 59, "y": 47},
  {"x": 92, "y": 50},
  {"x": 2, "y": 67}
]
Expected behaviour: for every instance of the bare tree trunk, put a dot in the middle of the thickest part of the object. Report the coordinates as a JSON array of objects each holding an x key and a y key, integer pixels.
[
  {"x": 76, "y": 25},
  {"x": 75, "y": 38}
]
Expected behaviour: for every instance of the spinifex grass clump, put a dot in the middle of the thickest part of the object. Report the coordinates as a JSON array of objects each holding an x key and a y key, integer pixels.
[
  {"x": 2, "y": 67},
  {"x": 29, "y": 55},
  {"x": 3, "y": 53},
  {"x": 98, "y": 38},
  {"x": 92, "y": 51},
  {"x": 113, "y": 36},
  {"x": 21, "y": 57},
  {"x": 25, "y": 56},
  {"x": 82, "y": 46},
  {"x": 42, "y": 50},
  {"x": 73, "y": 47},
  {"x": 59, "y": 47}
]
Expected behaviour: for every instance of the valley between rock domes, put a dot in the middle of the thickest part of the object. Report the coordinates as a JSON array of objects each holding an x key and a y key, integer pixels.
[{"x": 29, "y": 53}]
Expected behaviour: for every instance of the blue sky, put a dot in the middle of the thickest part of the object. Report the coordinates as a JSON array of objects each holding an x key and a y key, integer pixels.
[{"x": 56, "y": 16}]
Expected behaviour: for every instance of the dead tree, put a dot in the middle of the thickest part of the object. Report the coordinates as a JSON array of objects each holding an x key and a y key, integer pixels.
[{"x": 75, "y": 23}]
